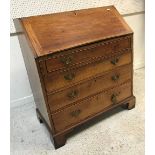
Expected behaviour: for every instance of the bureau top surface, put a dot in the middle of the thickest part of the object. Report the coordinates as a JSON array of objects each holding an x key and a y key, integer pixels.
[{"x": 55, "y": 32}]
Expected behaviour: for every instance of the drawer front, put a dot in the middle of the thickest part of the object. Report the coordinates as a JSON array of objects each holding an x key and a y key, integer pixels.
[
  {"x": 59, "y": 80},
  {"x": 84, "y": 54},
  {"x": 65, "y": 97},
  {"x": 90, "y": 106}
]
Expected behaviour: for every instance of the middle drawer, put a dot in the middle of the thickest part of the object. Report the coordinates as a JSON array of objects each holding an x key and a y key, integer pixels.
[
  {"x": 62, "y": 98},
  {"x": 61, "y": 80}
]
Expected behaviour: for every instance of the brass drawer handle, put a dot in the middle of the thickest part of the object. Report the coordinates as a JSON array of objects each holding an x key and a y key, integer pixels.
[
  {"x": 114, "y": 61},
  {"x": 73, "y": 94},
  {"x": 115, "y": 77},
  {"x": 69, "y": 76},
  {"x": 75, "y": 113},
  {"x": 114, "y": 97},
  {"x": 67, "y": 60}
]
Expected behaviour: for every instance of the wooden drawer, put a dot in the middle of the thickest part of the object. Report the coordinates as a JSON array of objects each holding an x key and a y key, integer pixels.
[
  {"x": 65, "y": 97},
  {"x": 58, "y": 80},
  {"x": 90, "y": 106},
  {"x": 86, "y": 53}
]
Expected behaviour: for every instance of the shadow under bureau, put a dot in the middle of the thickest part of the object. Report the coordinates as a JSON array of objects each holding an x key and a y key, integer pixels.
[{"x": 80, "y": 65}]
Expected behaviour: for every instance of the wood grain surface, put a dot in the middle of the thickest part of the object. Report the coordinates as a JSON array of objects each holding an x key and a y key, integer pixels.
[{"x": 59, "y": 31}]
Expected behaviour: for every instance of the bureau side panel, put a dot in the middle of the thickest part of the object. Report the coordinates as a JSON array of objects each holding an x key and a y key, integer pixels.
[
  {"x": 33, "y": 74},
  {"x": 132, "y": 69}
]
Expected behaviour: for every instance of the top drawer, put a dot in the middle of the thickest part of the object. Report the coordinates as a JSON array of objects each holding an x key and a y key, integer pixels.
[{"x": 86, "y": 53}]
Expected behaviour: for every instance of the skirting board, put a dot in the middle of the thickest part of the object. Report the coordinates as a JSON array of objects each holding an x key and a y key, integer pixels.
[
  {"x": 21, "y": 101},
  {"x": 139, "y": 65}
]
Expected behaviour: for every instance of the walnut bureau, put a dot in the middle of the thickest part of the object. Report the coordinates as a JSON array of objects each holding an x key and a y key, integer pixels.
[{"x": 80, "y": 65}]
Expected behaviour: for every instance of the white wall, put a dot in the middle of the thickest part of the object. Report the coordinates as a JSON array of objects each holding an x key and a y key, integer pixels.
[
  {"x": 20, "y": 91},
  {"x": 137, "y": 24},
  {"x": 20, "y": 87}
]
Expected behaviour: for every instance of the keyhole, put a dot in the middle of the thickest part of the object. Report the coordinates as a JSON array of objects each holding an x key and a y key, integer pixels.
[{"x": 75, "y": 13}]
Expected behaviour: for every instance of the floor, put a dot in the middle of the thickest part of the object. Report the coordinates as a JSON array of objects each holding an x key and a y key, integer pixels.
[{"x": 120, "y": 132}]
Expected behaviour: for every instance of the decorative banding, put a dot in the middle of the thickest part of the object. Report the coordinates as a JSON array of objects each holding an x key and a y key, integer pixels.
[
  {"x": 91, "y": 97},
  {"x": 89, "y": 47},
  {"x": 93, "y": 60}
]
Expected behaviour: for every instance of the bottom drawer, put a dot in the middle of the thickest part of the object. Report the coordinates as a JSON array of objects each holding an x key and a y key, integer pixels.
[{"x": 82, "y": 110}]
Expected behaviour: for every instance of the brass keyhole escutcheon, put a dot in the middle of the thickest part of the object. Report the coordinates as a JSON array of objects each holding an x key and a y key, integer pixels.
[
  {"x": 114, "y": 61},
  {"x": 67, "y": 60},
  {"x": 115, "y": 77},
  {"x": 69, "y": 76},
  {"x": 114, "y": 97},
  {"x": 73, "y": 94},
  {"x": 75, "y": 113}
]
